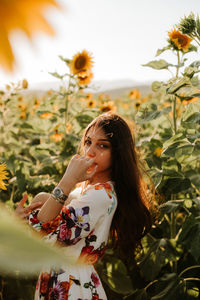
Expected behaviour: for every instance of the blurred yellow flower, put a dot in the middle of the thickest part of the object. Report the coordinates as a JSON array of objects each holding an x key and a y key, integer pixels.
[
  {"x": 24, "y": 15},
  {"x": 108, "y": 106},
  {"x": 84, "y": 77},
  {"x": 36, "y": 103},
  {"x": 179, "y": 40},
  {"x": 46, "y": 115},
  {"x": 20, "y": 98},
  {"x": 22, "y": 106},
  {"x": 50, "y": 92},
  {"x": 137, "y": 104},
  {"x": 91, "y": 103},
  {"x": 24, "y": 84},
  {"x": 89, "y": 96},
  {"x": 125, "y": 105},
  {"x": 158, "y": 151},
  {"x": 134, "y": 94},
  {"x": 3, "y": 176},
  {"x": 101, "y": 96},
  {"x": 55, "y": 108},
  {"x": 57, "y": 137},
  {"x": 23, "y": 115},
  {"x": 81, "y": 61},
  {"x": 192, "y": 100}
]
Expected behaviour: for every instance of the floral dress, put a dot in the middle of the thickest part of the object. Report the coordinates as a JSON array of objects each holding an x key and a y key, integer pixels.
[{"x": 82, "y": 229}]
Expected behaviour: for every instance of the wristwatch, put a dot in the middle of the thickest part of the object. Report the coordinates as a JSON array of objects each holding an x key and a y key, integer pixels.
[{"x": 59, "y": 195}]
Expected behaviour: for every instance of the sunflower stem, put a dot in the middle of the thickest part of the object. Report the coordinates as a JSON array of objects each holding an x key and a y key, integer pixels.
[
  {"x": 174, "y": 114},
  {"x": 178, "y": 63}
]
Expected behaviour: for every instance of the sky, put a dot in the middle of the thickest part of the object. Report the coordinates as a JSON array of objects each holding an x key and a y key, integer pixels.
[{"x": 121, "y": 35}]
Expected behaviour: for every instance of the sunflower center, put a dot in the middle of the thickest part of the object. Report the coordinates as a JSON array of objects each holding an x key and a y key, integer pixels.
[{"x": 80, "y": 62}]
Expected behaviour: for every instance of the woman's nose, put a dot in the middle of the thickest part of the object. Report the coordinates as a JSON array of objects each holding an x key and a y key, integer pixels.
[{"x": 90, "y": 151}]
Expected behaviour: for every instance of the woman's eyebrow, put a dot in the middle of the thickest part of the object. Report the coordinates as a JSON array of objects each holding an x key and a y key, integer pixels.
[{"x": 106, "y": 140}]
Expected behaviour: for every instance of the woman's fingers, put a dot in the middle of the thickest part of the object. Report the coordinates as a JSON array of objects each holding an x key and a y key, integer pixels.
[
  {"x": 23, "y": 200},
  {"x": 33, "y": 206}
]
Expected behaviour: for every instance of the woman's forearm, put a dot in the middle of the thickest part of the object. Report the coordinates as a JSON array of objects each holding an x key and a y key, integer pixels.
[{"x": 51, "y": 207}]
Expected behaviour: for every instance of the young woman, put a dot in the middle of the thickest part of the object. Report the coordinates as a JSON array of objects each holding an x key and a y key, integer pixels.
[{"x": 110, "y": 199}]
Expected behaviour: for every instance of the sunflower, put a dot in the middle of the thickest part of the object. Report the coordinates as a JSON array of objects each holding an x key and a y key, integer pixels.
[
  {"x": 46, "y": 115},
  {"x": 179, "y": 41},
  {"x": 108, "y": 106},
  {"x": 27, "y": 16},
  {"x": 158, "y": 151},
  {"x": 84, "y": 77},
  {"x": 3, "y": 176},
  {"x": 134, "y": 94},
  {"x": 91, "y": 103},
  {"x": 57, "y": 137},
  {"x": 24, "y": 84},
  {"x": 82, "y": 61}
]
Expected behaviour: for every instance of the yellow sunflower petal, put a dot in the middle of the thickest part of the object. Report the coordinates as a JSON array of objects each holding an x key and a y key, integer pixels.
[
  {"x": 3, "y": 176},
  {"x": 23, "y": 15}
]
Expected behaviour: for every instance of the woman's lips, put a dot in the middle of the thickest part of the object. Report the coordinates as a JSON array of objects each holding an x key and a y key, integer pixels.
[{"x": 91, "y": 168}]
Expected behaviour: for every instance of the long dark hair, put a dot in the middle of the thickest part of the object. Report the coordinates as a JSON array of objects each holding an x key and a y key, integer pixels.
[{"x": 132, "y": 219}]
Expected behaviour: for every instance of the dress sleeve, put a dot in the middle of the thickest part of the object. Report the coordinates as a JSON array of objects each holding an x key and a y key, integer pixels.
[{"x": 79, "y": 218}]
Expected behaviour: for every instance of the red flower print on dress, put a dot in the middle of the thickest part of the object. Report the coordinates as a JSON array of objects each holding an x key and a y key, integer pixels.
[
  {"x": 95, "y": 279},
  {"x": 58, "y": 292},
  {"x": 89, "y": 255},
  {"x": 65, "y": 233},
  {"x": 44, "y": 281}
]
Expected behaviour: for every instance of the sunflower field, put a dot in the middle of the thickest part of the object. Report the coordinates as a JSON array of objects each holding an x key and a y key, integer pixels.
[{"x": 40, "y": 134}]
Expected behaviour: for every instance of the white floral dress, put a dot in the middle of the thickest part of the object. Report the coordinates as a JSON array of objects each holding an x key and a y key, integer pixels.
[{"x": 82, "y": 228}]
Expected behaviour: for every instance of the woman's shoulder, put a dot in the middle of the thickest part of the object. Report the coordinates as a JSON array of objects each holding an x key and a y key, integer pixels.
[{"x": 107, "y": 186}]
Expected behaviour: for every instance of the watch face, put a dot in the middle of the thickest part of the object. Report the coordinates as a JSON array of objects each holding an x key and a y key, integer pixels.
[{"x": 57, "y": 192}]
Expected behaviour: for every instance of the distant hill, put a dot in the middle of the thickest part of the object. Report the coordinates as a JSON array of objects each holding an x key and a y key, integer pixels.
[
  {"x": 119, "y": 92},
  {"x": 115, "y": 88}
]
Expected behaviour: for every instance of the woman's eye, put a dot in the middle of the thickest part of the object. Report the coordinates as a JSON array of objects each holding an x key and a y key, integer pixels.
[
  {"x": 87, "y": 142},
  {"x": 103, "y": 146}
]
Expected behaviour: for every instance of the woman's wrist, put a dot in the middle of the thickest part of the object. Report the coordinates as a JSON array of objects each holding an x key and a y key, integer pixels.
[{"x": 66, "y": 187}]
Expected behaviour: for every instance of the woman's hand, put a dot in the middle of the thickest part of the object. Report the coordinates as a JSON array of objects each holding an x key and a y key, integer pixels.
[
  {"x": 78, "y": 170},
  {"x": 23, "y": 212}
]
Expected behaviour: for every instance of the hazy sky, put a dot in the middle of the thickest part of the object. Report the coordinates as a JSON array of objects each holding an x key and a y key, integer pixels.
[{"x": 121, "y": 34}]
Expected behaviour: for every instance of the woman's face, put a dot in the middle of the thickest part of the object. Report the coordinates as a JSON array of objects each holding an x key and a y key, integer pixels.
[{"x": 97, "y": 146}]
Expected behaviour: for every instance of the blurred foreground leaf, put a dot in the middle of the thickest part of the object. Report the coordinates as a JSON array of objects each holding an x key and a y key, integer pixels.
[{"x": 21, "y": 250}]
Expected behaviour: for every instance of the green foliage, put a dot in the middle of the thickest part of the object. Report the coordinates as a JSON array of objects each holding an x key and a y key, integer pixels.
[{"x": 38, "y": 142}]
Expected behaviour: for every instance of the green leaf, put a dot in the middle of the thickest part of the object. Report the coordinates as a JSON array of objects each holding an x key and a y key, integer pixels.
[
  {"x": 192, "y": 108},
  {"x": 158, "y": 64},
  {"x": 150, "y": 113},
  {"x": 190, "y": 236},
  {"x": 55, "y": 74},
  {"x": 22, "y": 250},
  {"x": 84, "y": 120},
  {"x": 157, "y": 256},
  {"x": 171, "y": 206},
  {"x": 194, "y": 118},
  {"x": 159, "y": 51},
  {"x": 169, "y": 287},
  {"x": 117, "y": 277},
  {"x": 185, "y": 81},
  {"x": 66, "y": 60},
  {"x": 190, "y": 71},
  {"x": 156, "y": 85},
  {"x": 139, "y": 295},
  {"x": 175, "y": 185}
]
